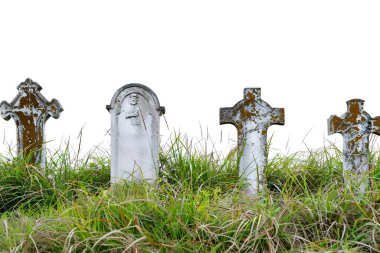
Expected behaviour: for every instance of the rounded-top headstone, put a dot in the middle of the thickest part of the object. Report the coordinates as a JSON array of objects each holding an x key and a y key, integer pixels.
[{"x": 135, "y": 133}]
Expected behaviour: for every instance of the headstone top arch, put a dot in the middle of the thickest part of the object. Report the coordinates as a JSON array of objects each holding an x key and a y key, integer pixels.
[{"x": 134, "y": 88}]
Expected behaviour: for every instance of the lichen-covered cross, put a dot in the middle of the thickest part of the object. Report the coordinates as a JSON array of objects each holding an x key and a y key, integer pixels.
[
  {"x": 252, "y": 117},
  {"x": 355, "y": 125},
  {"x": 30, "y": 110}
]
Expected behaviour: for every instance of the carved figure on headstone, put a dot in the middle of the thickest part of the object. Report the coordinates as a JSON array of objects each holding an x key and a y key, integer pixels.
[
  {"x": 135, "y": 132},
  {"x": 30, "y": 110},
  {"x": 252, "y": 117},
  {"x": 132, "y": 111}
]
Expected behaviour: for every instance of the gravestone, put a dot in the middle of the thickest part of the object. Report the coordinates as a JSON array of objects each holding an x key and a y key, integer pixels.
[
  {"x": 252, "y": 117},
  {"x": 135, "y": 133},
  {"x": 30, "y": 110},
  {"x": 355, "y": 125}
]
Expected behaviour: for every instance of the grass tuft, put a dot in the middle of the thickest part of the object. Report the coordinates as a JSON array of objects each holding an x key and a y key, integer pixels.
[{"x": 197, "y": 205}]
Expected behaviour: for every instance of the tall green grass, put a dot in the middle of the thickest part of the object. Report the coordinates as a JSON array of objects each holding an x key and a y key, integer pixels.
[{"x": 198, "y": 204}]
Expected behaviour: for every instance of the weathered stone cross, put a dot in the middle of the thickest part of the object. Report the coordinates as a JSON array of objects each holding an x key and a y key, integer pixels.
[
  {"x": 252, "y": 117},
  {"x": 355, "y": 125},
  {"x": 30, "y": 110}
]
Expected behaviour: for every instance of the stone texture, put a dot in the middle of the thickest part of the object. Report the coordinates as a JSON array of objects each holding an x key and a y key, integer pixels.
[
  {"x": 30, "y": 110},
  {"x": 252, "y": 117},
  {"x": 355, "y": 125},
  {"x": 135, "y": 133}
]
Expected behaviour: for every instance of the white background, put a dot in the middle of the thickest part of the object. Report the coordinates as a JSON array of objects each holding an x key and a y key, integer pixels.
[{"x": 309, "y": 57}]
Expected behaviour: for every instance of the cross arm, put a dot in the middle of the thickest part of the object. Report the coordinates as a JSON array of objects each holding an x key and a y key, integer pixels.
[
  {"x": 277, "y": 116},
  {"x": 375, "y": 125},
  {"x": 335, "y": 125},
  {"x": 226, "y": 116},
  {"x": 54, "y": 108},
  {"x": 5, "y": 110}
]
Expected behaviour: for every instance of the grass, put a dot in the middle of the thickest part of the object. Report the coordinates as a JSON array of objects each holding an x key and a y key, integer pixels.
[{"x": 198, "y": 205}]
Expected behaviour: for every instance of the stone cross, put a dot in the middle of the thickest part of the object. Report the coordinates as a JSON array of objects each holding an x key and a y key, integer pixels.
[
  {"x": 355, "y": 125},
  {"x": 30, "y": 110},
  {"x": 252, "y": 117},
  {"x": 135, "y": 133}
]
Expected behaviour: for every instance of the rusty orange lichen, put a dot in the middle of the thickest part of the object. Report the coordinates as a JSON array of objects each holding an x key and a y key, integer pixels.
[
  {"x": 355, "y": 125},
  {"x": 30, "y": 111},
  {"x": 376, "y": 125},
  {"x": 336, "y": 124},
  {"x": 252, "y": 117},
  {"x": 249, "y": 98},
  {"x": 245, "y": 114}
]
